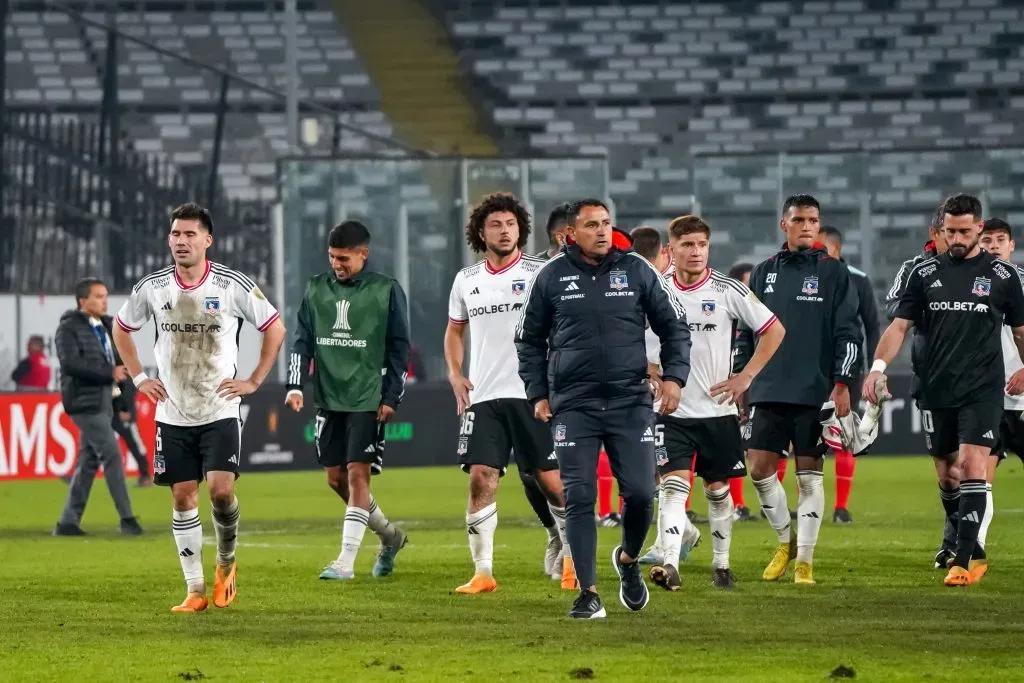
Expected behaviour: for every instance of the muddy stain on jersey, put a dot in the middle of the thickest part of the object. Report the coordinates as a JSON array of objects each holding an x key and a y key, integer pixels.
[{"x": 194, "y": 376}]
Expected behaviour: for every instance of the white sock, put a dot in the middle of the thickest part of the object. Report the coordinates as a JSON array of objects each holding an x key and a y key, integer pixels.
[
  {"x": 810, "y": 509},
  {"x": 188, "y": 536},
  {"x": 720, "y": 518},
  {"x": 986, "y": 520},
  {"x": 559, "y": 515},
  {"x": 480, "y": 526},
  {"x": 672, "y": 520},
  {"x": 225, "y": 523},
  {"x": 659, "y": 540},
  {"x": 379, "y": 524},
  {"x": 774, "y": 504},
  {"x": 352, "y": 531}
]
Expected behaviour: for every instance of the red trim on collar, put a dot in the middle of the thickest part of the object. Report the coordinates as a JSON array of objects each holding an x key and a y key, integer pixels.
[
  {"x": 187, "y": 288},
  {"x": 690, "y": 288},
  {"x": 816, "y": 245},
  {"x": 492, "y": 271}
]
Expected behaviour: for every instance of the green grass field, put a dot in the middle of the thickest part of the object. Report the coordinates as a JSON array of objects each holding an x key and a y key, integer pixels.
[{"x": 98, "y": 608}]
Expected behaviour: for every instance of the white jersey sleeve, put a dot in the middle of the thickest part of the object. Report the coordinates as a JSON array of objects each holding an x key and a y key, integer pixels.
[
  {"x": 653, "y": 345},
  {"x": 136, "y": 311},
  {"x": 252, "y": 305},
  {"x": 458, "y": 313},
  {"x": 748, "y": 309}
]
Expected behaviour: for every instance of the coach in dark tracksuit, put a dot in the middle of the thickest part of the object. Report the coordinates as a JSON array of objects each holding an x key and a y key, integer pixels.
[{"x": 582, "y": 357}]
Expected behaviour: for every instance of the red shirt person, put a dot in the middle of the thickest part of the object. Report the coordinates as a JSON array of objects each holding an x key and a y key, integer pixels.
[{"x": 33, "y": 372}]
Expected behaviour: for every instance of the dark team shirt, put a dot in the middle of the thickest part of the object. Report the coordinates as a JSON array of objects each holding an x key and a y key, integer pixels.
[{"x": 959, "y": 307}]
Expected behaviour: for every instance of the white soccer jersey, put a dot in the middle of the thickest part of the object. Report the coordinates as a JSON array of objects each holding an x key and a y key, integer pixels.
[
  {"x": 197, "y": 337},
  {"x": 711, "y": 306},
  {"x": 1011, "y": 364},
  {"x": 491, "y": 301}
]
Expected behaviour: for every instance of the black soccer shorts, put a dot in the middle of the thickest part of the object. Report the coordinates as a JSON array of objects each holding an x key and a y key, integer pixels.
[
  {"x": 715, "y": 442},
  {"x": 977, "y": 424},
  {"x": 774, "y": 426},
  {"x": 1011, "y": 435},
  {"x": 188, "y": 453},
  {"x": 492, "y": 430},
  {"x": 342, "y": 438}
]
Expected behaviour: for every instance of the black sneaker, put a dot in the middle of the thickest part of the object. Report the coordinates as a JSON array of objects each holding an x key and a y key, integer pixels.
[
  {"x": 130, "y": 527},
  {"x": 588, "y": 606},
  {"x": 695, "y": 518},
  {"x": 633, "y": 593},
  {"x": 944, "y": 559},
  {"x": 68, "y": 530},
  {"x": 610, "y": 520},
  {"x": 723, "y": 578},
  {"x": 842, "y": 516},
  {"x": 743, "y": 514},
  {"x": 667, "y": 577}
]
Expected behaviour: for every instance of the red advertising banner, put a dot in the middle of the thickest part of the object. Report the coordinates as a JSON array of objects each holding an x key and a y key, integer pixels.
[{"x": 39, "y": 441}]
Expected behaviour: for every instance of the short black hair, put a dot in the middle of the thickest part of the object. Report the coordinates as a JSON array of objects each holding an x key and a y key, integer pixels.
[
  {"x": 801, "y": 201},
  {"x": 831, "y": 231},
  {"x": 997, "y": 225},
  {"x": 558, "y": 218},
  {"x": 193, "y": 212},
  {"x": 962, "y": 205},
  {"x": 83, "y": 289},
  {"x": 37, "y": 339},
  {"x": 496, "y": 202},
  {"x": 646, "y": 241},
  {"x": 738, "y": 270},
  {"x": 577, "y": 208},
  {"x": 348, "y": 235}
]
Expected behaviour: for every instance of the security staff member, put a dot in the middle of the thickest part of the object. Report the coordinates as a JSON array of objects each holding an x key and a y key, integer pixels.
[{"x": 591, "y": 301}]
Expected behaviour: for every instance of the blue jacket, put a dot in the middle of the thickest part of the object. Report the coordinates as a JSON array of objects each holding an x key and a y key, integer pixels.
[{"x": 580, "y": 338}]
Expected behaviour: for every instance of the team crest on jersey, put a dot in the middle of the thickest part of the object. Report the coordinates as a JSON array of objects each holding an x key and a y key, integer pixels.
[
  {"x": 463, "y": 445},
  {"x": 211, "y": 305},
  {"x": 560, "y": 433},
  {"x": 982, "y": 286},
  {"x": 618, "y": 279},
  {"x": 810, "y": 285},
  {"x": 518, "y": 286},
  {"x": 707, "y": 307}
]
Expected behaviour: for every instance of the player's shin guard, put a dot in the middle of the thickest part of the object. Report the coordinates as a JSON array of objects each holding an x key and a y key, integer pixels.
[
  {"x": 810, "y": 510},
  {"x": 774, "y": 505},
  {"x": 972, "y": 511},
  {"x": 672, "y": 521},
  {"x": 951, "y": 506},
  {"x": 225, "y": 523},
  {"x": 352, "y": 531},
  {"x": 188, "y": 537},
  {"x": 845, "y": 466},
  {"x": 480, "y": 526},
  {"x": 379, "y": 524},
  {"x": 986, "y": 521},
  {"x": 720, "y": 518}
]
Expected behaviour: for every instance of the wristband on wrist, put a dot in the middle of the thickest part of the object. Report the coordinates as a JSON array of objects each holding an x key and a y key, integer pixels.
[
  {"x": 139, "y": 378},
  {"x": 879, "y": 366}
]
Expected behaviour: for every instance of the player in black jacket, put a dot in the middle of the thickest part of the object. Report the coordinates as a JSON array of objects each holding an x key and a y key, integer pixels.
[
  {"x": 867, "y": 311},
  {"x": 813, "y": 298},
  {"x": 958, "y": 301},
  {"x": 583, "y": 359}
]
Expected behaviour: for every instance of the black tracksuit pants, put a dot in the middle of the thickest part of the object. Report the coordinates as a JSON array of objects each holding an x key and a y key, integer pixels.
[{"x": 628, "y": 437}]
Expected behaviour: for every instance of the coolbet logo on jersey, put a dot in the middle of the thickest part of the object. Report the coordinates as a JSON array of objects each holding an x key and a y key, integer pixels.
[{"x": 957, "y": 306}]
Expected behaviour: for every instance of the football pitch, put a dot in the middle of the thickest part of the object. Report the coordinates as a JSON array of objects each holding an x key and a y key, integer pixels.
[{"x": 97, "y": 609}]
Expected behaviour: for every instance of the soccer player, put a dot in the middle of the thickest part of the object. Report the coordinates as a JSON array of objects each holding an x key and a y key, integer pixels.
[
  {"x": 556, "y": 229},
  {"x": 583, "y": 361},
  {"x": 703, "y": 433},
  {"x": 813, "y": 297},
  {"x": 353, "y": 324},
  {"x": 997, "y": 239},
  {"x": 949, "y": 479},
  {"x": 867, "y": 311},
  {"x": 740, "y": 272},
  {"x": 198, "y": 307},
  {"x": 487, "y": 298},
  {"x": 958, "y": 302}
]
